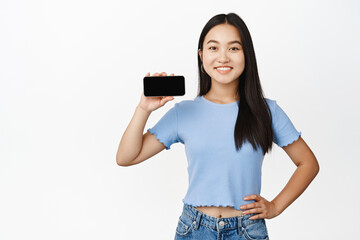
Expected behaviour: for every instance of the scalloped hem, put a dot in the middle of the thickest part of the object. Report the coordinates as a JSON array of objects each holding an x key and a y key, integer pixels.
[
  {"x": 296, "y": 138},
  {"x": 211, "y": 205},
  {"x": 157, "y": 137}
]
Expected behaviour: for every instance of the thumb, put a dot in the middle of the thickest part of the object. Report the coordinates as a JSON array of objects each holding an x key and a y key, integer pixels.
[{"x": 164, "y": 100}]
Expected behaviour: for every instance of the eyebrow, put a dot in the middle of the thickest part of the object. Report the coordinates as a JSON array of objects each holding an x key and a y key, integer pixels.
[{"x": 235, "y": 41}]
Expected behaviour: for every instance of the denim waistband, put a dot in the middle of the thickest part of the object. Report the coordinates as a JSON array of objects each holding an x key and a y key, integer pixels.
[{"x": 217, "y": 223}]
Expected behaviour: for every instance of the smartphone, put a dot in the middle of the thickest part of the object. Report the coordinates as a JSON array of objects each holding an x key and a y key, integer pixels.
[{"x": 160, "y": 86}]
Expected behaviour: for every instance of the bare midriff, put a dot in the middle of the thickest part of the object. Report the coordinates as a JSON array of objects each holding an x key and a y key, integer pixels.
[{"x": 220, "y": 212}]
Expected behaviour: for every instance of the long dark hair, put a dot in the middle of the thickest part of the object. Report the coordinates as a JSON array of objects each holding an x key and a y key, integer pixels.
[{"x": 254, "y": 120}]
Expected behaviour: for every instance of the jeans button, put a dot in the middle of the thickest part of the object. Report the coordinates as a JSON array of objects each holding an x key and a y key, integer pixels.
[{"x": 221, "y": 223}]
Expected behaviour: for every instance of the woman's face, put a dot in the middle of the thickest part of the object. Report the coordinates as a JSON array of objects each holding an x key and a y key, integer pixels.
[{"x": 220, "y": 50}]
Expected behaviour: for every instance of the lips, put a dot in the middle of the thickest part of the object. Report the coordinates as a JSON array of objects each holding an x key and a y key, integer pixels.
[
  {"x": 223, "y": 67},
  {"x": 223, "y": 71}
]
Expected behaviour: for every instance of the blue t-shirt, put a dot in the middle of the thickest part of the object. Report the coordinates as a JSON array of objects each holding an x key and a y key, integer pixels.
[{"x": 218, "y": 174}]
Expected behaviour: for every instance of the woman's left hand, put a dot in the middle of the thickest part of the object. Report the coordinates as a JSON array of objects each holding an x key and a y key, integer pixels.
[{"x": 262, "y": 206}]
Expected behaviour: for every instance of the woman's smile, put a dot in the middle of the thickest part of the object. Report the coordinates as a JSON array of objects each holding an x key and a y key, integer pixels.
[{"x": 223, "y": 70}]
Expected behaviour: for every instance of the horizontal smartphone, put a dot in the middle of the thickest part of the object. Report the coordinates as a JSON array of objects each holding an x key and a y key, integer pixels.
[{"x": 160, "y": 86}]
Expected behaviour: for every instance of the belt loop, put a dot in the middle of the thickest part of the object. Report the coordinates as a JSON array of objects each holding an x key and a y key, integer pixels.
[
  {"x": 240, "y": 218},
  {"x": 197, "y": 221}
]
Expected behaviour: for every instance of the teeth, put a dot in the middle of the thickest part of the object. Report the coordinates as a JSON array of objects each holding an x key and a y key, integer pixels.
[{"x": 224, "y": 69}]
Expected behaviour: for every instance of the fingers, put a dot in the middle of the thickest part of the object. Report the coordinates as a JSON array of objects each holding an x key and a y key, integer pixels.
[
  {"x": 259, "y": 210},
  {"x": 164, "y": 100},
  {"x": 159, "y": 74},
  {"x": 165, "y": 74},
  {"x": 261, "y": 207},
  {"x": 254, "y": 196},
  {"x": 257, "y": 216},
  {"x": 254, "y": 210},
  {"x": 250, "y": 205}
]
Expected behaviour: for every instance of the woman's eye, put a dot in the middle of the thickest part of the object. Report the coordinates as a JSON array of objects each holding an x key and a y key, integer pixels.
[{"x": 230, "y": 48}]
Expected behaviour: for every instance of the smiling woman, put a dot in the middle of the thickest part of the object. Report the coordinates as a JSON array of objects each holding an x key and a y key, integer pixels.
[
  {"x": 228, "y": 73},
  {"x": 226, "y": 129}
]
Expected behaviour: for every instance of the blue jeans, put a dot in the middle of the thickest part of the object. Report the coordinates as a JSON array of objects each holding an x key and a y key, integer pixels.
[{"x": 194, "y": 224}]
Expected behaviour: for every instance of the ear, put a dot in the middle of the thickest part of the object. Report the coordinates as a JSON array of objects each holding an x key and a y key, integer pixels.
[{"x": 200, "y": 54}]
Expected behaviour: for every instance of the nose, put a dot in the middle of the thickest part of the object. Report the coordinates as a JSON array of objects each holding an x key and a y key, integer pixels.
[{"x": 223, "y": 57}]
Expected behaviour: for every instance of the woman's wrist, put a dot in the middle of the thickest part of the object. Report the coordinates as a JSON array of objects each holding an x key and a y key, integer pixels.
[
  {"x": 277, "y": 207},
  {"x": 142, "y": 109}
]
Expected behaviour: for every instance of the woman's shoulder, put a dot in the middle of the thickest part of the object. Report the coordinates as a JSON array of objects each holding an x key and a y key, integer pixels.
[
  {"x": 188, "y": 103},
  {"x": 270, "y": 101}
]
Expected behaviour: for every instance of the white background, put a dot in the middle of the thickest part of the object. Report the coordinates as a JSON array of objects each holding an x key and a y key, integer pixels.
[{"x": 71, "y": 76}]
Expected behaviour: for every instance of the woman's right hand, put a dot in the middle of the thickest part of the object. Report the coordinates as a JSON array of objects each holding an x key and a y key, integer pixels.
[{"x": 150, "y": 104}]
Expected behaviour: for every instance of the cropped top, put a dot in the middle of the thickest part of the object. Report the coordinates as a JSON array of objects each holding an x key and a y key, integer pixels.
[{"x": 218, "y": 175}]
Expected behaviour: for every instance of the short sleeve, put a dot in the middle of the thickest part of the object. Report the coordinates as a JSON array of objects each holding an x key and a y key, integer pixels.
[
  {"x": 166, "y": 129},
  {"x": 284, "y": 130}
]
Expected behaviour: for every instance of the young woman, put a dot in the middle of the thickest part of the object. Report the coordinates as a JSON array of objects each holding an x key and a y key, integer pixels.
[{"x": 227, "y": 129}]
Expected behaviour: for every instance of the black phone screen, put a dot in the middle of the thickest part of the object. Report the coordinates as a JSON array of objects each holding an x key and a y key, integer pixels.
[{"x": 159, "y": 86}]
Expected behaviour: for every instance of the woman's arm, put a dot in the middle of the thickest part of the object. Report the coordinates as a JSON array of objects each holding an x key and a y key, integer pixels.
[
  {"x": 307, "y": 169},
  {"x": 131, "y": 141}
]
